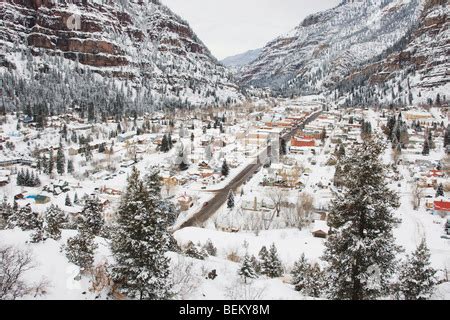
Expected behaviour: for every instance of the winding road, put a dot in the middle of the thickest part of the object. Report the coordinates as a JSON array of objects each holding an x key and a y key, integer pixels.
[{"x": 221, "y": 195}]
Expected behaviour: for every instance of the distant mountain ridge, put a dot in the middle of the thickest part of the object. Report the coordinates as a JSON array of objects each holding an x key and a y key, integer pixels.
[
  {"x": 242, "y": 59},
  {"x": 326, "y": 46}
]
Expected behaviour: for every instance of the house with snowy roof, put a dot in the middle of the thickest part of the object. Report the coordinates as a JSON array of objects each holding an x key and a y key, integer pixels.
[{"x": 320, "y": 229}]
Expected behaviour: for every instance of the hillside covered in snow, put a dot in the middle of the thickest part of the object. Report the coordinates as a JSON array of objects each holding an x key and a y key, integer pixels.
[
  {"x": 240, "y": 60},
  {"x": 130, "y": 53},
  {"x": 326, "y": 46}
]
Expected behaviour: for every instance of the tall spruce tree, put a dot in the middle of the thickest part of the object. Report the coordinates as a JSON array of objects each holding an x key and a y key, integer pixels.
[
  {"x": 271, "y": 264},
  {"x": 299, "y": 273},
  {"x": 81, "y": 248},
  {"x": 92, "y": 215},
  {"x": 314, "y": 281},
  {"x": 164, "y": 144},
  {"x": 362, "y": 222},
  {"x": 139, "y": 242},
  {"x": 426, "y": 147},
  {"x": 24, "y": 218},
  {"x": 417, "y": 277},
  {"x": 53, "y": 221},
  {"x": 6, "y": 211},
  {"x": 447, "y": 136},
  {"x": 283, "y": 147},
  {"x": 51, "y": 162},
  {"x": 60, "y": 161},
  {"x": 440, "y": 191},
  {"x": 70, "y": 168},
  {"x": 75, "y": 199},
  {"x": 230, "y": 200},
  {"x": 225, "y": 169},
  {"x": 68, "y": 202},
  {"x": 247, "y": 270},
  {"x": 263, "y": 256}
]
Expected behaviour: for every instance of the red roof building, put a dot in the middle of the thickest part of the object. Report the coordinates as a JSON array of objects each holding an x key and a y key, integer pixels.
[
  {"x": 301, "y": 142},
  {"x": 442, "y": 207}
]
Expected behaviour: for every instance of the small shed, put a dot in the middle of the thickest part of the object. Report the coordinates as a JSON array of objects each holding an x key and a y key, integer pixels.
[{"x": 321, "y": 229}]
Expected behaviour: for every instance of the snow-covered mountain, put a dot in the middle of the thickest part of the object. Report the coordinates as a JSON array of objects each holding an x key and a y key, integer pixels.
[
  {"x": 424, "y": 56},
  {"x": 138, "y": 48},
  {"x": 240, "y": 60},
  {"x": 327, "y": 46}
]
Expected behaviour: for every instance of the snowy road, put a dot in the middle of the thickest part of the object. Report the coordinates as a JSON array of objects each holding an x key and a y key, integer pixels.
[{"x": 221, "y": 195}]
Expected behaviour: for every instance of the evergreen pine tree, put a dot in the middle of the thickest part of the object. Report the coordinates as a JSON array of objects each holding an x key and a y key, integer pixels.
[
  {"x": 283, "y": 147},
  {"x": 426, "y": 148},
  {"x": 362, "y": 222},
  {"x": 38, "y": 232},
  {"x": 314, "y": 282},
  {"x": 440, "y": 191},
  {"x": 263, "y": 260},
  {"x": 430, "y": 140},
  {"x": 44, "y": 164},
  {"x": 92, "y": 215},
  {"x": 447, "y": 136},
  {"x": 24, "y": 218},
  {"x": 272, "y": 267},
  {"x": 230, "y": 201},
  {"x": 210, "y": 248},
  {"x": 27, "y": 179},
  {"x": 299, "y": 273},
  {"x": 51, "y": 163},
  {"x": 323, "y": 135},
  {"x": 247, "y": 270},
  {"x": 70, "y": 168},
  {"x": 68, "y": 202},
  {"x": 225, "y": 169},
  {"x": 417, "y": 277},
  {"x": 5, "y": 212},
  {"x": 256, "y": 264},
  {"x": 20, "y": 178},
  {"x": 169, "y": 141},
  {"x": 75, "y": 199},
  {"x": 39, "y": 164},
  {"x": 60, "y": 161},
  {"x": 139, "y": 242},
  {"x": 53, "y": 220},
  {"x": 195, "y": 251},
  {"x": 164, "y": 144},
  {"x": 80, "y": 249}
]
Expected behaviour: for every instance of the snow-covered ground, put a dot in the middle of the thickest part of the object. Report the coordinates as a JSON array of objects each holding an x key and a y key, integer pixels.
[{"x": 316, "y": 180}]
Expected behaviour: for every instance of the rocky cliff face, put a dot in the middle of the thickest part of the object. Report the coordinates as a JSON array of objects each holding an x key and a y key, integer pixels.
[
  {"x": 137, "y": 42},
  {"x": 326, "y": 47},
  {"x": 426, "y": 53}
]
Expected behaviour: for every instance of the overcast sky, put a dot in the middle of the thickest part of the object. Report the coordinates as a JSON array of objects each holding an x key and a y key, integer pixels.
[{"x": 229, "y": 27}]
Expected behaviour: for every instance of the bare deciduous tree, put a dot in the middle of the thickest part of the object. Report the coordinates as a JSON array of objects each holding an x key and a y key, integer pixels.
[
  {"x": 244, "y": 291},
  {"x": 277, "y": 196},
  {"x": 305, "y": 206},
  {"x": 417, "y": 196},
  {"x": 183, "y": 278},
  {"x": 14, "y": 264}
]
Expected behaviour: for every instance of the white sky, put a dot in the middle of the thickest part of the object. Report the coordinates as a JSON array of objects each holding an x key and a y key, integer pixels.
[{"x": 230, "y": 27}]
